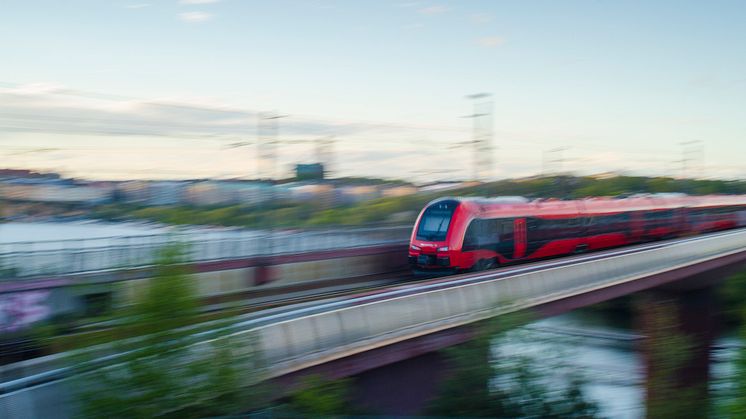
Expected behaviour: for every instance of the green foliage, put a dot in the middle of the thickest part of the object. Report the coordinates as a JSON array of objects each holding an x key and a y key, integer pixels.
[
  {"x": 668, "y": 351},
  {"x": 166, "y": 372},
  {"x": 484, "y": 384},
  {"x": 733, "y": 295},
  {"x": 170, "y": 300},
  {"x": 735, "y": 288},
  {"x": 321, "y": 397}
]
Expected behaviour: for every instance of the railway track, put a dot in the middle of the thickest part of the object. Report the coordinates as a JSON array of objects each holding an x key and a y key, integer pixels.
[
  {"x": 216, "y": 309},
  {"x": 277, "y": 306},
  {"x": 242, "y": 306}
]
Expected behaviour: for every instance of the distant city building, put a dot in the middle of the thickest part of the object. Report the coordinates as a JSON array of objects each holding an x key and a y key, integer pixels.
[
  {"x": 217, "y": 192},
  {"x": 401, "y": 190},
  {"x": 357, "y": 193},
  {"x": 313, "y": 171},
  {"x": 133, "y": 191},
  {"x": 166, "y": 192},
  {"x": 26, "y": 174},
  {"x": 304, "y": 192},
  {"x": 39, "y": 190},
  {"x": 26, "y": 187}
]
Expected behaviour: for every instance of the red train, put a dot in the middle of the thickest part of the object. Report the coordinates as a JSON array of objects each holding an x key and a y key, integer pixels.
[{"x": 460, "y": 234}]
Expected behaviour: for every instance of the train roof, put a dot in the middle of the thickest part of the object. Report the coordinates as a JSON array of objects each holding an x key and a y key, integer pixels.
[{"x": 513, "y": 205}]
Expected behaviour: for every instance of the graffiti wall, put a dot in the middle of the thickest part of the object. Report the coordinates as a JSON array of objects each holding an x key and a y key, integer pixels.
[{"x": 22, "y": 309}]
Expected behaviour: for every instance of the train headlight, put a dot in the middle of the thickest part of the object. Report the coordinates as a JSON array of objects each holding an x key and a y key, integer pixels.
[
  {"x": 443, "y": 249},
  {"x": 413, "y": 247}
]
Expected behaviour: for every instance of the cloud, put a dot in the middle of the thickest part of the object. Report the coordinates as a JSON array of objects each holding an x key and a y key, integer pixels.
[
  {"x": 198, "y": 1},
  {"x": 491, "y": 41},
  {"x": 195, "y": 17},
  {"x": 137, "y": 6},
  {"x": 433, "y": 10},
  {"x": 49, "y": 108}
]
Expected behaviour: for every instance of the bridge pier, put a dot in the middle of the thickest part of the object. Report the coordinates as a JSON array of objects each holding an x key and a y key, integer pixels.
[
  {"x": 394, "y": 380},
  {"x": 679, "y": 325}
]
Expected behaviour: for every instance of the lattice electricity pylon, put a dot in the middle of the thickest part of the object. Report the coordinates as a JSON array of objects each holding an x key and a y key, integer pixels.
[
  {"x": 482, "y": 137},
  {"x": 325, "y": 152},
  {"x": 266, "y": 142}
]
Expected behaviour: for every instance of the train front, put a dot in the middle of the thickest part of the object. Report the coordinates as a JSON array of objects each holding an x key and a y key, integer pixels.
[{"x": 431, "y": 251}]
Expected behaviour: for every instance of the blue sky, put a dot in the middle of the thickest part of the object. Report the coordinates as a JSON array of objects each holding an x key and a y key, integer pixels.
[{"x": 620, "y": 84}]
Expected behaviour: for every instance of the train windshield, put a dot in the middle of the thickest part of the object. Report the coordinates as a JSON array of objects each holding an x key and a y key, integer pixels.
[{"x": 435, "y": 221}]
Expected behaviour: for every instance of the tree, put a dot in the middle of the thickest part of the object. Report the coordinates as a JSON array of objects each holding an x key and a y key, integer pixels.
[
  {"x": 321, "y": 397},
  {"x": 735, "y": 406},
  {"x": 668, "y": 352},
  {"x": 733, "y": 294},
  {"x": 168, "y": 372}
]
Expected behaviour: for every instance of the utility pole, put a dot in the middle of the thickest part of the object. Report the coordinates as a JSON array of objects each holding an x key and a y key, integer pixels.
[
  {"x": 553, "y": 161},
  {"x": 325, "y": 152},
  {"x": 482, "y": 135},
  {"x": 267, "y": 139},
  {"x": 692, "y": 153}
]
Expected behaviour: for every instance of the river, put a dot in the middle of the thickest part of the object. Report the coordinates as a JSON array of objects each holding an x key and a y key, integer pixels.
[{"x": 603, "y": 349}]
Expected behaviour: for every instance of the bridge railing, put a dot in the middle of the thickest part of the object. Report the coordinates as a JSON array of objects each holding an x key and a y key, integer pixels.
[
  {"x": 24, "y": 259},
  {"x": 295, "y": 340},
  {"x": 300, "y": 342}
]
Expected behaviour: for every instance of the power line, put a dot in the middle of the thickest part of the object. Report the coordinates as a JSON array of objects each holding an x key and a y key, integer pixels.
[
  {"x": 553, "y": 160},
  {"x": 481, "y": 135},
  {"x": 325, "y": 152},
  {"x": 692, "y": 157},
  {"x": 240, "y": 112}
]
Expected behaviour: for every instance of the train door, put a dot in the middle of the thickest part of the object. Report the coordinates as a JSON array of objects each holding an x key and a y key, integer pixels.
[
  {"x": 519, "y": 226},
  {"x": 681, "y": 221},
  {"x": 637, "y": 222}
]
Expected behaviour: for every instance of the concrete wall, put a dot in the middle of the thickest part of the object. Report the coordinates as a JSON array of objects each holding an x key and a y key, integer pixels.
[
  {"x": 232, "y": 281},
  {"x": 90, "y": 295}
]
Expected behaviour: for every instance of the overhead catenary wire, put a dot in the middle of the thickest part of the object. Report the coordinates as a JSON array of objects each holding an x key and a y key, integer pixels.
[{"x": 12, "y": 122}]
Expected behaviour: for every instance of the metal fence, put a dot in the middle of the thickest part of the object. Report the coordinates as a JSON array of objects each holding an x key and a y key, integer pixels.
[{"x": 24, "y": 259}]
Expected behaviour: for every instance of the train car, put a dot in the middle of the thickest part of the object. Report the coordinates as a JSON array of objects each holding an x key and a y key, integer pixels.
[{"x": 469, "y": 234}]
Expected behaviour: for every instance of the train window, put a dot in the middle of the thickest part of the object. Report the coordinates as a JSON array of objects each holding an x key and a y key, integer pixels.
[
  {"x": 470, "y": 238},
  {"x": 488, "y": 234},
  {"x": 660, "y": 218},
  {"x": 434, "y": 225},
  {"x": 435, "y": 221},
  {"x": 741, "y": 217},
  {"x": 613, "y": 223}
]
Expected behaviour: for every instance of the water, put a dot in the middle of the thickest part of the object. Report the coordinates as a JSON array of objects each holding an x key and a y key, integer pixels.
[
  {"x": 603, "y": 353},
  {"x": 603, "y": 349}
]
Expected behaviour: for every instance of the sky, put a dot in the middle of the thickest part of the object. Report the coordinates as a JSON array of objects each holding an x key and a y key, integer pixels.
[{"x": 175, "y": 88}]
